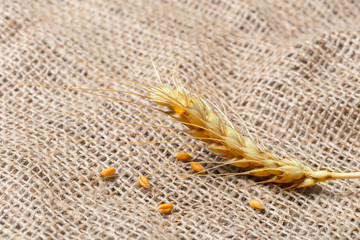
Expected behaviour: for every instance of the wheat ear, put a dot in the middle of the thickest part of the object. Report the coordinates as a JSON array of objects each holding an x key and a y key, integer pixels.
[{"x": 206, "y": 122}]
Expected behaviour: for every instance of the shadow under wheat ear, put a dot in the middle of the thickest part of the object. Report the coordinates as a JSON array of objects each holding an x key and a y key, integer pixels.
[{"x": 206, "y": 122}]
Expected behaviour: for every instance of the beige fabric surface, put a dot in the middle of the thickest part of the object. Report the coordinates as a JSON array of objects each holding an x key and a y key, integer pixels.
[{"x": 290, "y": 69}]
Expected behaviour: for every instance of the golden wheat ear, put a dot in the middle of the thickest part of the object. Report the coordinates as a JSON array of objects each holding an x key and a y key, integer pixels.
[{"x": 206, "y": 122}]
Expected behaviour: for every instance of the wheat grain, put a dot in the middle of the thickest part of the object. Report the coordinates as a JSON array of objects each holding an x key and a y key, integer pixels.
[
  {"x": 197, "y": 167},
  {"x": 206, "y": 122},
  {"x": 144, "y": 182},
  {"x": 255, "y": 204},
  {"x": 183, "y": 156},
  {"x": 165, "y": 208},
  {"x": 107, "y": 173}
]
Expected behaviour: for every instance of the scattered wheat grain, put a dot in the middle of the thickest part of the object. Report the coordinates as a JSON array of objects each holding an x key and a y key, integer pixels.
[
  {"x": 109, "y": 172},
  {"x": 144, "y": 182},
  {"x": 183, "y": 156},
  {"x": 255, "y": 204},
  {"x": 197, "y": 167},
  {"x": 165, "y": 208}
]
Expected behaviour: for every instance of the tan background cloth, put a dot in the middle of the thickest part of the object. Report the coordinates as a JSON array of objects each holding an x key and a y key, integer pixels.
[{"x": 290, "y": 69}]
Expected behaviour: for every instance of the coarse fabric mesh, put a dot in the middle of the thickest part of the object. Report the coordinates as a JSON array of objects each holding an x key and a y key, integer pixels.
[{"x": 289, "y": 69}]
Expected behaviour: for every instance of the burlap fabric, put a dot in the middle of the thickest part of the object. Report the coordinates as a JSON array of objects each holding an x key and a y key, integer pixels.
[{"x": 289, "y": 69}]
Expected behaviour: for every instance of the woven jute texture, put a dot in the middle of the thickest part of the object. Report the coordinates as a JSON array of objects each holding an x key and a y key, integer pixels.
[{"x": 289, "y": 69}]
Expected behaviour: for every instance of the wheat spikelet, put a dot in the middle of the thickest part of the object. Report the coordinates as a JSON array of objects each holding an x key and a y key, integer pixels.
[{"x": 206, "y": 122}]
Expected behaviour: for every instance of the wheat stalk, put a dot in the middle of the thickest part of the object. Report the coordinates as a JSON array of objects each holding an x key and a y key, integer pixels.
[{"x": 206, "y": 122}]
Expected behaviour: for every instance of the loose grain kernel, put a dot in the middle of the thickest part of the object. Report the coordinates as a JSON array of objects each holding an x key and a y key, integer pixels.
[
  {"x": 165, "y": 208},
  {"x": 144, "y": 182},
  {"x": 255, "y": 204},
  {"x": 197, "y": 167},
  {"x": 183, "y": 156},
  {"x": 109, "y": 172}
]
